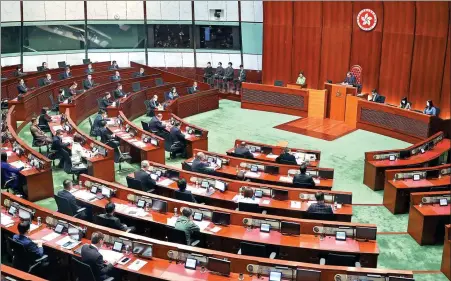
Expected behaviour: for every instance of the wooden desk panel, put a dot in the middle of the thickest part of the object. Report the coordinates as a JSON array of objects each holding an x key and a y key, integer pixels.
[
  {"x": 446, "y": 258},
  {"x": 275, "y": 99},
  {"x": 18, "y": 275}
]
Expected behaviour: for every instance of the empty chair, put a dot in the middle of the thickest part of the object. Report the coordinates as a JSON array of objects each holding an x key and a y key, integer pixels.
[
  {"x": 23, "y": 260},
  {"x": 55, "y": 106},
  {"x": 145, "y": 126},
  {"x": 61, "y": 64},
  {"x": 83, "y": 271},
  {"x": 340, "y": 260},
  {"x": 136, "y": 86},
  {"x": 255, "y": 250},
  {"x": 65, "y": 208},
  {"x": 121, "y": 157},
  {"x": 41, "y": 82},
  {"x": 69, "y": 168},
  {"x": 179, "y": 236}
]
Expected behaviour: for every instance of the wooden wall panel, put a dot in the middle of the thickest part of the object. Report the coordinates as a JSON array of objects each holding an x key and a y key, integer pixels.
[
  {"x": 366, "y": 45},
  {"x": 307, "y": 25},
  {"x": 445, "y": 99},
  {"x": 397, "y": 50},
  {"x": 431, "y": 29},
  {"x": 277, "y": 41},
  {"x": 336, "y": 41}
]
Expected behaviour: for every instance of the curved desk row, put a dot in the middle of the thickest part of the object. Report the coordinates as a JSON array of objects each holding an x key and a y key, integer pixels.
[
  {"x": 399, "y": 184},
  {"x": 9, "y": 87},
  {"x": 38, "y": 177},
  {"x": 323, "y": 177},
  {"x": 295, "y": 203},
  {"x": 161, "y": 266},
  {"x": 429, "y": 152},
  {"x": 17, "y": 275},
  {"x": 8, "y": 70},
  {"x": 310, "y": 243}
]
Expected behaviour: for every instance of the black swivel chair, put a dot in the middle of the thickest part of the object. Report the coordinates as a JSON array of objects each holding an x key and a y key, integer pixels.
[
  {"x": 55, "y": 106},
  {"x": 99, "y": 104},
  {"x": 134, "y": 183},
  {"x": 340, "y": 260},
  {"x": 65, "y": 208},
  {"x": 145, "y": 126},
  {"x": 184, "y": 196},
  {"x": 69, "y": 168},
  {"x": 91, "y": 128},
  {"x": 83, "y": 271},
  {"x": 121, "y": 157},
  {"x": 250, "y": 207},
  {"x": 107, "y": 223},
  {"x": 179, "y": 237},
  {"x": 318, "y": 216},
  {"x": 285, "y": 162},
  {"x": 233, "y": 154},
  {"x": 24, "y": 261},
  {"x": 159, "y": 82},
  {"x": 149, "y": 111},
  {"x": 255, "y": 250},
  {"x": 41, "y": 82},
  {"x": 39, "y": 144}
]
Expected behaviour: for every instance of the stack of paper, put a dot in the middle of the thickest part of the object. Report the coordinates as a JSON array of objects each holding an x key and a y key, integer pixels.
[
  {"x": 67, "y": 140},
  {"x": 6, "y": 220},
  {"x": 171, "y": 221},
  {"x": 84, "y": 195},
  {"x": 296, "y": 204},
  {"x": 17, "y": 164},
  {"x": 68, "y": 243},
  {"x": 202, "y": 224},
  {"x": 51, "y": 236},
  {"x": 33, "y": 226},
  {"x": 137, "y": 265},
  {"x": 111, "y": 256},
  {"x": 215, "y": 229},
  {"x": 316, "y": 181},
  {"x": 285, "y": 179},
  {"x": 58, "y": 127},
  {"x": 266, "y": 202},
  {"x": 272, "y": 156},
  {"x": 165, "y": 182},
  {"x": 252, "y": 175}
]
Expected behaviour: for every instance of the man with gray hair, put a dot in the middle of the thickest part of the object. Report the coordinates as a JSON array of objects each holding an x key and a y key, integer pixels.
[
  {"x": 200, "y": 164},
  {"x": 242, "y": 151},
  {"x": 147, "y": 183},
  {"x": 156, "y": 126}
]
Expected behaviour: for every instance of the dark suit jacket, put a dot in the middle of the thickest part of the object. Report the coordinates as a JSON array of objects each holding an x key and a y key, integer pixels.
[
  {"x": 67, "y": 75},
  {"x": 200, "y": 167},
  {"x": 104, "y": 103},
  {"x": 91, "y": 256},
  {"x": 192, "y": 90},
  {"x": 244, "y": 152},
  {"x": 118, "y": 94},
  {"x": 22, "y": 89},
  {"x": 96, "y": 124},
  {"x": 9, "y": 172},
  {"x": 219, "y": 71},
  {"x": 377, "y": 98},
  {"x": 303, "y": 180},
  {"x": 115, "y": 78},
  {"x": 47, "y": 82},
  {"x": 105, "y": 135},
  {"x": 350, "y": 80},
  {"x": 208, "y": 72},
  {"x": 57, "y": 143},
  {"x": 89, "y": 71},
  {"x": 145, "y": 179},
  {"x": 188, "y": 196},
  {"x": 242, "y": 75},
  {"x": 115, "y": 222},
  {"x": 229, "y": 73},
  {"x": 138, "y": 74},
  {"x": 287, "y": 158},
  {"x": 88, "y": 84},
  {"x": 176, "y": 135},
  {"x": 29, "y": 245},
  {"x": 153, "y": 104},
  {"x": 69, "y": 197},
  {"x": 155, "y": 124}
]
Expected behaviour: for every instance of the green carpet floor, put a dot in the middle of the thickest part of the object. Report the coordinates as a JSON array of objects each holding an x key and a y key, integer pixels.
[{"x": 345, "y": 155}]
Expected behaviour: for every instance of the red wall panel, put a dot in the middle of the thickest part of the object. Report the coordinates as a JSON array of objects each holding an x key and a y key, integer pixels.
[
  {"x": 307, "y": 25},
  {"x": 397, "y": 49},
  {"x": 431, "y": 31},
  {"x": 445, "y": 100},
  {"x": 366, "y": 45},
  {"x": 277, "y": 41},
  {"x": 336, "y": 41}
]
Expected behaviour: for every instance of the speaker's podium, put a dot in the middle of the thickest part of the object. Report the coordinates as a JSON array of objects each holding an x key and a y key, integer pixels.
[{"x": 338, "y": 96}]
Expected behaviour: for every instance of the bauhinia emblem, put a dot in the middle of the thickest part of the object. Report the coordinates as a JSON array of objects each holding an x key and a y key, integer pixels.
[{"x": 367, "y": 19}]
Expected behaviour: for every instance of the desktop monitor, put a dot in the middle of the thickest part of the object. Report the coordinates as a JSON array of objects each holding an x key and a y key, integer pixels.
[
  {"x": 220, "y": 218},
  {"x": 404, "y": 154},
  {"x": 25, "y": 215},
  {"x": 290, "y": 228},
  {"x": 307, "y": 275},
  {"x": 142, "y": 250},
  {"x": 397, "y": 278},
  {"x": 275, "y": 276},
  {"x": 343, "y": 198},
  {"x": 252, "y": 149},
  {"x": 279, "y": 194},
  {"x": 106, "y": 192},
  {"x": 154, "y": 142},
  {"x": 273, "y": 170},
  {"x": 416, "y": 177},
  {"x": 172, "y": 174},
  {"x": 117, "y": 246},
  {"x": 219, "y": 266},
  {"x": 155, "y": 177},
  {"x": 220, "y": 185},
  {"x": 159, "y": 206},
  {"x": 366, "y": 233},
  {"x": 265, "y": 227},
  {"x": 432, "y": 174},
  {"x": 326, "y": 174},
  {"x": 190, "y": 263}
]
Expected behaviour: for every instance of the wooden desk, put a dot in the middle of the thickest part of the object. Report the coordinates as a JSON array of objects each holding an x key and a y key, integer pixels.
[
  {"x": 337, "y": 99},
  {"x": 138, "y": 150},
  {"x": 18, "y": 275},
  {"x": 275, "y": 99},
  {"x": 377, "y": 162},
  {"x": 392, "y": 121},
  {"x": 276, "y": 150},
  {"x": 8, "y": 70},
  {"x": 427, "y": 222},
  {"x": 399, "y": 184},
  {"x": 39, "y": 182},
  {"x": 446, "y": 259},
  {"x": 234, "y": 164},
  {"x": 98, "y": 165}
]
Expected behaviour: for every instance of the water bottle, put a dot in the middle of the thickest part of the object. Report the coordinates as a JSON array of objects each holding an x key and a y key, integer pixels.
[
  {"x": 80, "y": 184},
  {"x": 147, "y": 207},
  {"x": 39, "y": 221},
  {"x": 175, "y": 212},
  {"x": 127, "y": 250},
  {"x": 335, "y": 205}
]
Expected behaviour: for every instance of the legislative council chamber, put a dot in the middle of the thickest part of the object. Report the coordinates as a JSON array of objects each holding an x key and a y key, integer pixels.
[{"x": 225, "y": 140}]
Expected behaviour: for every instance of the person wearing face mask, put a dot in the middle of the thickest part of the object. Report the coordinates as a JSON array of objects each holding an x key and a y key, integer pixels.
[
  {"x": 22, "y": 88},
  {"x": 172, "y": 95},
  {"x": 301, "y": 79},
  {"x": 44, "y": 67},
  {"x": 404, "y": 104},
  {"x": 208, "y": 74},
  {"x": 228, "y": 76},
  {"x": 430, "y": 109},
  {"x": 219, "y": 74}
]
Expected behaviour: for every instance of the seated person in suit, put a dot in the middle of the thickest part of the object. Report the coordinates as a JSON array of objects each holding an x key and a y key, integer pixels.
[
  {"x": 73, "y": 89},
  {"x": 105, "y": 101},
  {"x": 319, "y": 207},
  {"x": 31, "y": 247},
  {"x": 404, "y": 104},
  {"x": 181, "y": 184},
  {"x": 302, "y": 179},
  {"x": 247, "y": 195},
  {"x": 91, "y": 256},
  {"x": 155, "y": 125},
  {"x": 58, "y": 146},
  {"x": 78, "y": 153},
  {"x": 241, "y": 78},
  {"x": 140, "y": 73},
  {"x": 376, "y": 97},
  {"x": 430, "y": 109},
  {"x": 48, "y": 79},
  {"x": 107, "y": 137},
  {"x": 301, "y": 79},
  {"x": 154, "y": 105},
  {"x": 350, "y": 79},
  {"x": 185, "y": 224},
  {"x": 219, "y": 74},
  {"x": 118, "y": 93},
  {"x": 193, "y": 89},
  {"x": 228, "y": 75},
  {"x": 172, "y": 95},
  {"x": 44, "y": 119},
  {"x": 286, "y": 157},
  {"x": 109, "y": 215},
  {"x": 67, "y": 73},
  {"x": 144, "y": 177},
  {"x": 88, "y": 83},
  {"x": 200, "y": 164},
  {"x": 178, "y": 141},
  {"x": 44, "y": 66},
  {"x": 89, "y": 70},
  {"x": 208, "y": 73},
  {"x": 113, "y": 65},
  {"x": 65, "y": 193},
  {"x": 18, "y": 71},
  {"x": 101, "y": 115},
  {"x": 242, "y": 151},
  {"x": 38, "y": 134},
  {"x": 116, "y": 77},
  {"x": 22, "y": 88},
  {"x": 9, "y": 172}
]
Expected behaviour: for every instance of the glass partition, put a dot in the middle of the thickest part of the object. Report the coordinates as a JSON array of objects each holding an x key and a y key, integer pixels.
[
  {"x": 10, "y": 39},
  {"x": 218, "y": 37},
  {"x": 57, "y": 37},
  {"x": 116, "y": 36}
]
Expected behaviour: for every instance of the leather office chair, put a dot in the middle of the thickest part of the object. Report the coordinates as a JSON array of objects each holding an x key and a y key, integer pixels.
[
  {"x": 41, "y": 82},
  {"x": 136, "y": 86},
  {"x": 91, "y": 128},
  {"x": 55, "y": 106},
  {"x": 39, "y": 144},
  {"x": 65, "y": 208},
  {"x": 340, "y": 260},
  {"x": 233, "y": 154},
  {"x": 184, "y": 196},
  {"x": 285, "y": 162},
  {"x": 255, "y": 250},
  {"x": 250, "y": 207},
  {"x": 69, "y": 168},
  {"x": 179, "y": 237},
  {"x": 134, "y": 184},
  {"x": 107, "y": 223},
  {"x": 83, "y": 271},
  {"x": 121, "y": 157},
  {"x": 318, "y": 216},
  {"x": 145, "y": 126},
  {"x": 356, "y": 70},
  {"x": 99, "y": 104},
  {"x": 23, "y": 260},
  {"x": 149, "y": 111}
]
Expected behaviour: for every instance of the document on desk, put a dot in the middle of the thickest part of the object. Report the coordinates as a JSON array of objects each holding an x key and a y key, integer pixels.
[
  {"x": 137, "y": 265},
  {"x": 316, "y": 181},
  {"x": 252, "y": 175},
  {"x": 134, "y": 211},
  {"x": 139, "y": 143},
  {"x": 110, "y": 122},
  {"x": 165, "y": 182},
  {"x": 17, "y": 164},
  {"x": 266, "y": 202},
  {"x": 33, "y": 226},
  {"x": 57, "y": 127},
  {"x": 116, "y": 130},
  {"x": 256, "y": 154},
  {"x": 171, "y": 221},
  {"x": 6, "y": 220},
  {"x": 84, "y": 195},
  {"x": 215, "y": 229},
  {"x": 272, "y": 156},
  {"x": 51, "y": 236},
  {"x": 295, "y": 204},
  {"x": 300, "y": 161},
  {"x": 202, "y": 224},
  {"x": 285, "y": 179},
  {"x": 9, "y": 153},
  {"x": 111, "y": 256},
  {"x": 67, "y": 140},
  {"x": 68, "y": 243}
]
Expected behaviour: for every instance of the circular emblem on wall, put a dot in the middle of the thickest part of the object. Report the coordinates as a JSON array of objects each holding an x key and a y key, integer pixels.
[{"x": 367, "y": 19}]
